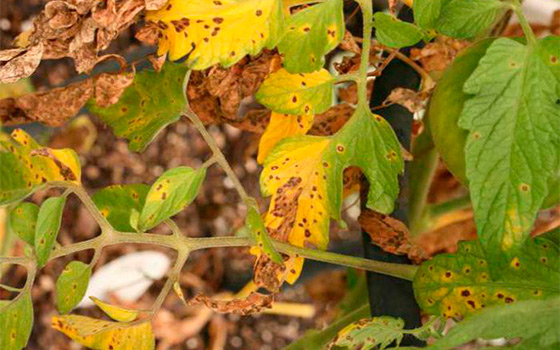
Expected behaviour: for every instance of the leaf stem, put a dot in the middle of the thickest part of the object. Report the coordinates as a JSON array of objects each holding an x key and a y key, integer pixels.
[
  {"x": 529, "y": 34},
  {"x": 173, "y": 276}
]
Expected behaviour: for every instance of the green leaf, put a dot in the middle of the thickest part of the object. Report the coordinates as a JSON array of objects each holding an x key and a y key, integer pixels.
[
  {"x": 461, "y": 284},
  {"x": 106, "y": 335},
  {"x": 260, "y": 235},
  {"x": 367, "y": 334},
  {"x": 312, "y": 33},
  {"x": 16, "y": 322},
  {"x": 26, "y": 166},
  {"x": 514, "y": 138},
  {"x": 536, "y": 322},
  {"x": 153, "y": 101},
  {"x": 426, "y": 12},
  {"x": 315, "y": 340},
  {"x": 298, "y": 94},
  {"x": 71, "y": 285},
  {"x": 48, "y": 224},
  {"x": 118, "y": 202},
  {"x": 23, "y": 219},
  {"x": 468, "y": 18},
  {"x": 393, "y": 32},
  {"x": 171, "y": 192}
]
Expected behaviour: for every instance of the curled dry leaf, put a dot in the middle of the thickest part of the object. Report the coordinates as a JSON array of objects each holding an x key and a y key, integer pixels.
[
  {"x": 437, "y": 55},
  {"x": 412, "y": 100},
  {"x": 19, "y": 63},
  {"x": 153, "y": 5},
  {"x": 349, "y": 43},
  {"x": 109, "y": 87},
  {"x": 389, "y": 234},
  {"x": 254, "y": 303},
  {"x": 78, "y": 29}
]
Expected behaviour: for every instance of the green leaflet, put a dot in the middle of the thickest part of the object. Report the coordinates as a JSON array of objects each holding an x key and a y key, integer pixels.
[
  {"x": 367, "y": 334},
  {"x": 297, "y": 94},
  {"x": 48, "y": 224},
  {"x": 171, "y": 192},
  {"x": 514, "y": 138},
  {"x": 23, "y": 219},
  {"x": 536, "y": 322},
  {"x": 117, "y": 203},
  {"x": 260, "y": 235},
  {"x": 467, "y": 18},
  {"x": 16, "y": 321},
  {"x": 312, "y": 33},
  {"x": 460, "y": 284},
  {"x": 26, "y": 166},
  {"x": 153, "y": 101},
  {"x": 71, "y": 285},
  {"x": 393, "y": 32},
  {"x": 426, "y": 12}
]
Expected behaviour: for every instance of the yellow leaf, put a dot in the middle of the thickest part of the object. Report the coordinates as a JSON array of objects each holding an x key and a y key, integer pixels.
[
  {"x": 280, "y": 127},
  {"x": 26, "y": 165},
  {"x": 105, "y": 335},
  {"x": 217, "y": 31},
  {"x": 117, "y": 313},
  {"x": 299, "y": 94}
]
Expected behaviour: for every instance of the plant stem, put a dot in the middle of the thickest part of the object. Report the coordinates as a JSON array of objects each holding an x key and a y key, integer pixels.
[
  {"x": 173, "y": 277},
  {"x": 367, "y": 12},
  {"x": 91, "y": 207},
  {"x": 529, "y": 34}
]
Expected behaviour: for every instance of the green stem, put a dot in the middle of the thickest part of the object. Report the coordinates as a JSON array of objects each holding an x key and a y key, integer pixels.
[
  {"x": 10, "y": 288},
  {"x": 173, "y": 276},
  {"x": 529, "y": 34},
  {"x": 91, "y": 207},
  {"x": 367, "y": 12}
]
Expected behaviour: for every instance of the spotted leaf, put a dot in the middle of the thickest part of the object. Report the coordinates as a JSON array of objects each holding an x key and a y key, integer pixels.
[
  {"x": 208, "y": 32},
  {"x": 367, "y": 334},
  {"x": 153, "y": 101},
  {"x": 117, "y": 313},
  {"x": 16, "y": 322},
  {"x": 171, "y": 192},
  {"x": 260, "y": 235},
  {"x": 460, "y": 284},
  {"x": 48, "y": 224},
  {"x": 106, "y": 335},
  {"x": 297, "y": 94},
  {"x": 26, "y": 166},
  {"x": 117, "y": 203},
  {"x": 304, "y": 176},
  {"x": 23, "y": 219},
  {"x": 71, "y": 285},
  {"x": 512, "y": 149},
  {"x": 280, "y": 127},
  {"x": 311, "y": 34}
]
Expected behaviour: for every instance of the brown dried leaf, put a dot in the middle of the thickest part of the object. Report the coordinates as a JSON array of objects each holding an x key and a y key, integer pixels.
[
  {"x": 22, "y": 66},
  {"x": 157, "y": 61},
  {"x": 55, "y": 106},
  {"x": 388, "y": 233},
  {"x": 6, "y": 55},
  {"x": 437, "y": 55},
  {"x": 254, "y": 303},
  {"x": 109, "y": 87},
  {"x": 60, "y": 14},
  {"x": 348, "y": 43},
  {"x": 148, "y": 34},
  {"x": 153, "y": 5},
  {"x": 267, "y": 273}
]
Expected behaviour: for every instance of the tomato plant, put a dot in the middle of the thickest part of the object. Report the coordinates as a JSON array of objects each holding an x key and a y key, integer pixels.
[{"x": 493, "y": 117}]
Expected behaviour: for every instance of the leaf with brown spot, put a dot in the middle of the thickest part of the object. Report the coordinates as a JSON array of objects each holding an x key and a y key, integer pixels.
[
  {"x": 254, "y": 303},
  {"x": 211, "y": 32},
  {"x": 110, "y": 87},
  {"x": 106, "y": 335},
  {"x": 304, "y": 176},
  {"x": 412, "y": 100},
  {"x": 25, "y": 166}
]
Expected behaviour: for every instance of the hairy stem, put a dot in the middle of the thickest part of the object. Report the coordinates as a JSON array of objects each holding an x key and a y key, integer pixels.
[
  {"x": 527, "y": 30},
  {"x": 367, "y": 12}
]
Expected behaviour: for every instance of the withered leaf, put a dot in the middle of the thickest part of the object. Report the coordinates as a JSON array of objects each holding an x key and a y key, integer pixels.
[
  {"x": 55, "y": 106},
  {"x": 255, "y": 302},
  {"x": 349, "y": 43},
  {"x": 20, "y": 66},
  {"x": 60, "y": 14},
  {"x": 412, "y": 100},
  {"x": 153, "y": 5},
  {"x": 388, "y": 233}
]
